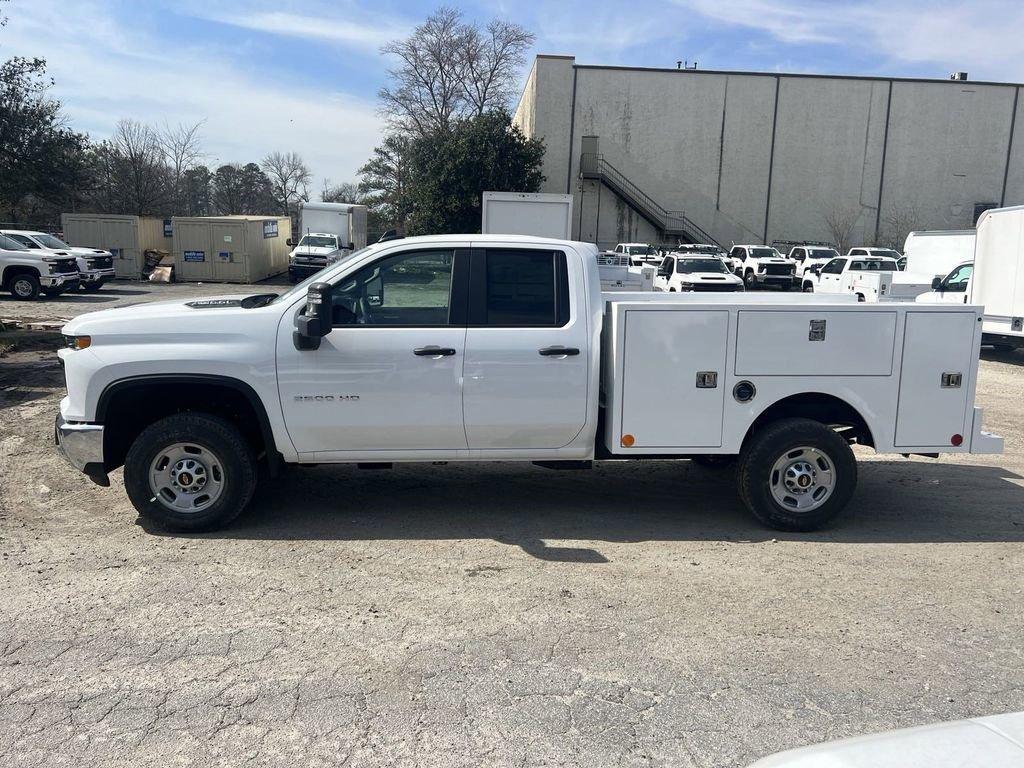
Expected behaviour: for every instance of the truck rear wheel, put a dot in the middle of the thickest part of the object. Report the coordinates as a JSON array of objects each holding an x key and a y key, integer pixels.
[
  {"x": 796, "y": 475},
  {"x": 190, "y": 472}
]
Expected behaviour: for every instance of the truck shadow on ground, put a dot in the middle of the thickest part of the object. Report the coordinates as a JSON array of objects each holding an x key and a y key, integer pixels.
[
  {"x": 1010, "y": 356},
  {"x": 546, "y": 513}
]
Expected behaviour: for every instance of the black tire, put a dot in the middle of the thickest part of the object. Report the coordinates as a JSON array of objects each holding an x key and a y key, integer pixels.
[
  {"x": 714, "y": 460},
  {"x": 208, "y": 433},
  {"x": 93, "y": 288},
  {"x": 53, "y": 293},
  {"x": 808, "y": 287},
  {"x": 24, "y": 286},
  {"x": 750, "y": 280},
  {"x": 770, "y": 445}
]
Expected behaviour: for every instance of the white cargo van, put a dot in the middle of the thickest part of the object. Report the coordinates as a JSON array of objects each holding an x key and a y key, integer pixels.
[
  {"x": 995, "y": 278},
  {"x": 327, "y": 232}
]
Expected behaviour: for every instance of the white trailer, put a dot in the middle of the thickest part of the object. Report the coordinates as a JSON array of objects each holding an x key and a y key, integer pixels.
[
  {"x": 934, "y": 253},
  {"x": 527, "y": 213}
]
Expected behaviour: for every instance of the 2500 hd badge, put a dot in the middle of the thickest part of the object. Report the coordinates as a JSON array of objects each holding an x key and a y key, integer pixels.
[{"x": 324, "y": 398}]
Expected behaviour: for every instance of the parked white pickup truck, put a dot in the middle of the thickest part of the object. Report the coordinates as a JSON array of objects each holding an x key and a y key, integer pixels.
[
  {"x": 95, "y": 266},
  {"x": 682, "y": 272},
  {"x": 640, "y": 255},
  {"x": 763, "y": 265},
  {"x": 860, "y": 276},
  {"x": 26, "y": 272},
  {"x": 808, "y": 258},
  {"x": 504, "y": 348}
]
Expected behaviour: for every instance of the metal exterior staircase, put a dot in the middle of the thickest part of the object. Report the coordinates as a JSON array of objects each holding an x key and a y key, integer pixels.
[{"x": 668, "y": 223}]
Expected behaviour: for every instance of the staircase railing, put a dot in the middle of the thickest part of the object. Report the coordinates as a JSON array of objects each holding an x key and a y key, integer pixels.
[{"x": 594, "y": 166}]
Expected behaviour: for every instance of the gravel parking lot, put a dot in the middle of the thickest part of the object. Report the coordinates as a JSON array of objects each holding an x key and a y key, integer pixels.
[{"x": 494, "y": 615}]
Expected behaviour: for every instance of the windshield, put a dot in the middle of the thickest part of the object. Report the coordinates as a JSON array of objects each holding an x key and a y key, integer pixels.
[
  {"x": 640, "y": 250},
  {"x": 688, "y": 266},
  {"x": 884, "y": 253},
  {"x": 11, "y": 245},
  {"x": 874, "y": 265},
  {"x": 51, "y": 242},
  {"x": 300, "y": 288},
  {"x": 763, "y": 253},
  {"x": 822, "y": 253},
  {"x": 319, "y": 241}
]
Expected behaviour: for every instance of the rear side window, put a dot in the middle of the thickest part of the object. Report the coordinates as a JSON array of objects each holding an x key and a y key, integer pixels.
[{"x": 519, "y": 289}]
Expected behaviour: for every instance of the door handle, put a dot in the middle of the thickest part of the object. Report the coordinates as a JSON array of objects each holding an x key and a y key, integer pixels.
[
  {"x": 433, "y": 351},
  {"x": 558, "y": 351}
]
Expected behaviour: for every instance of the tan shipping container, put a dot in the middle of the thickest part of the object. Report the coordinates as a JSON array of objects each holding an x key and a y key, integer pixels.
[
  {"x": 230, "y": 249},
  {"x": 126, "y": 237}
]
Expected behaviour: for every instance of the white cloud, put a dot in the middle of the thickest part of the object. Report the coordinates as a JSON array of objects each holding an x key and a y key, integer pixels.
[
  {"x": 370, "y": 35},
  {"x": 105, "y": 72},
  {"x": 981, "y": 37}
]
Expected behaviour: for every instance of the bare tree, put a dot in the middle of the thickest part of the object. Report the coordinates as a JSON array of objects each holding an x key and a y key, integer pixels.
[
  {"x": 139, "y": 172},
  {"x": 900, "y": 220},
  {"x": 491, "y": 60},
  {"x": 448, "y": 69},
  {"x": 345, "y": 192},
  {"x": 840, "y": 220},
  {"x": 289, "y": 179},
  {"x": 181, "y": 148}
]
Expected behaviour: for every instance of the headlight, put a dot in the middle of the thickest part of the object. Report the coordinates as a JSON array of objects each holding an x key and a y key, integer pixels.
[{"x": 77, "y": 342}]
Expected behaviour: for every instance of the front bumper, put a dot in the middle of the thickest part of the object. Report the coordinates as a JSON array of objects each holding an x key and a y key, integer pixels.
[
  {"x": 97, "y": 277},
  {"x": 783, "y": 280},
  {"x": 59, "y": 280},
  {"x": 81, "y": 445},
  {"x": 304, "y": 270}
]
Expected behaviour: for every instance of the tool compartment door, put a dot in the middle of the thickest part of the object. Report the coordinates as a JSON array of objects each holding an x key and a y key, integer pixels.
[
  {"x": 934, "y": 344},
  {"x": 662, "y": 404}
]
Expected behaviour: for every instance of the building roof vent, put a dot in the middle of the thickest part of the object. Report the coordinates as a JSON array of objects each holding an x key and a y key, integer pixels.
[{"x": 958, "y": 76}]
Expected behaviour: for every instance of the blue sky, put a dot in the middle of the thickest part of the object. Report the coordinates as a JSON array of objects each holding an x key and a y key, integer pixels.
[{"x": 303, "y": 75}]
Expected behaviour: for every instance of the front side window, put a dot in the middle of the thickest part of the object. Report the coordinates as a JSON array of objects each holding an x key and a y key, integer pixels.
[
  {"x": 408, "y": 289},
  {"x": 666, "y": 267},
  {"x": 834, "y": 267},
  {"x": 798, "y": 254},
  {"x": 523, "y": 289},
  {"x": 28, "y": 242},
  {"x": 957, "y": 280}
]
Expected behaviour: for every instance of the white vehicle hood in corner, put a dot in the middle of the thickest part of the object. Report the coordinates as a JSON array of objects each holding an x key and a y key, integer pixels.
[{"x": 985, "y": 742}]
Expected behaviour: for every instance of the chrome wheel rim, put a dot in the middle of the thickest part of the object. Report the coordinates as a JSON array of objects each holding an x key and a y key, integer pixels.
[
  {"x": 186, "y": 477},
  {"x": 802, "y": 479},
  {"x": 22, "y": 288}
]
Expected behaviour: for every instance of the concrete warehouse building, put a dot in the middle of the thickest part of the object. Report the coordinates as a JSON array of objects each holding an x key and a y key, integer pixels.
[{"x": 655, "y": 155}]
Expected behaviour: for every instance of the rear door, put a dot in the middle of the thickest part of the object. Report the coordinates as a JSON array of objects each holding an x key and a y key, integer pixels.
[{"x": 528, "y": 351}]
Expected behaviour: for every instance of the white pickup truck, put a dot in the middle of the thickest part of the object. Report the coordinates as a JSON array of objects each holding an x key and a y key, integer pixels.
[
  {"x": 640, "y": 255},
  {"x": 504, "y": 348},
  {"x": 95, "y": 265},
  {"x": 763, "y": 265},
  {"x": 25, "y": 272},
  {"x": 869, "y": 278}
]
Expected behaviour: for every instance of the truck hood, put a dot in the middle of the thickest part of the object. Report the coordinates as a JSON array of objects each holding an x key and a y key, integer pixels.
[
  {"x": 189, "y": 316},
  {"x": 89, "y": 253}
]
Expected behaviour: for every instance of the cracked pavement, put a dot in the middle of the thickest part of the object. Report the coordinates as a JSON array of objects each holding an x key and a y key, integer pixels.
[{"x": 499, "y": 616}]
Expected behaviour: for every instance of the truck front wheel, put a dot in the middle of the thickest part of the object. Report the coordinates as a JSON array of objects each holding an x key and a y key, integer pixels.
[
  {"x": 24, "y": 286},
  {"x": 190, "y": 472},
  {"x": 750, "y": 280},
  {"x": 796, "y": 474}
]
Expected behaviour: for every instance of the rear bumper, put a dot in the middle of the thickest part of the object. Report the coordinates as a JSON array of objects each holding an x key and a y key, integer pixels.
[{"x": 82, "y": 446}]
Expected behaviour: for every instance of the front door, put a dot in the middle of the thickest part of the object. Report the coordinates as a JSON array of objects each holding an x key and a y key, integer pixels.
[
  {"x": 388, "y": 375},
  {"x": 527, "y": 349}
]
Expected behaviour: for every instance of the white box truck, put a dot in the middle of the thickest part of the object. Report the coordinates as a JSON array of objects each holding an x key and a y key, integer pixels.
[
  {"x": 503, "y": 348},
  {"x": 934, "y": 253},
  {"x": 327, "y": 232},
  {"x": 536, "y": 214},
  {"x": 993, "y": 279}
]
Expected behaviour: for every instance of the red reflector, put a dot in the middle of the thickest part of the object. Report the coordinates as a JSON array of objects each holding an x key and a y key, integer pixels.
[{"x": 957, "y": 440}]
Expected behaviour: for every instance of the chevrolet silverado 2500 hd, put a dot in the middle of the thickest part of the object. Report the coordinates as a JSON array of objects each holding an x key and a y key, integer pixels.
[{"x": 498, "y": 348}]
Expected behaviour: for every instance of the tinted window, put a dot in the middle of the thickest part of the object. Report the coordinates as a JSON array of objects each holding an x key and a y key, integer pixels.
[
  {"x": 822, "y": 253},
  {"x": 25, "y": 241},
  {"x": 957, "y": 280},
  {"x": 666, "y": 267},
  {"x": 763, "y": 253},
  {"x": 834, "y": 267},
  {"x": 874, "y": 265},
  {"x": 410, "y": 289},
  {"x": 690, "y": 266},
  {"x": 526, "y": 288}
]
